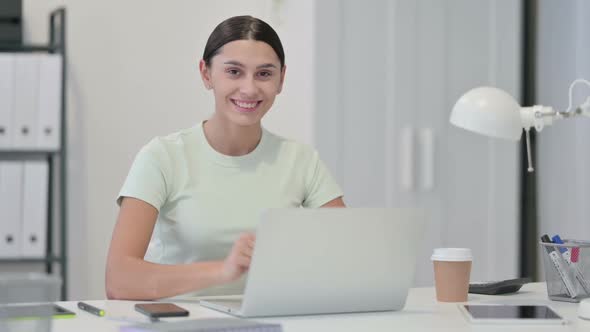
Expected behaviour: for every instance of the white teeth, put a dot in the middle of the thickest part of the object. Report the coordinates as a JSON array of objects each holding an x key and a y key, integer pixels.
[{"x": 245, "y": 105}]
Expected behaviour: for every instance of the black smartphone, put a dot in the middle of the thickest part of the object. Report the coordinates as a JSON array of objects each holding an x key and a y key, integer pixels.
[{"x": 157, "y": 310}]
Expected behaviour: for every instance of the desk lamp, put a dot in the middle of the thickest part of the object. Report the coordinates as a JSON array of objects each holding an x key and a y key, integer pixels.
[{"x": 493, "y": 112}]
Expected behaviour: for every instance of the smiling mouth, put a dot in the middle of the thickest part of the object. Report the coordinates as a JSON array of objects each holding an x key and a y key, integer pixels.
[{"x": 246, "y": 106}]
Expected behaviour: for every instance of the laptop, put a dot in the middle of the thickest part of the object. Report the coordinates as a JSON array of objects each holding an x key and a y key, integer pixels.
[{"x": 329, "y": 260}]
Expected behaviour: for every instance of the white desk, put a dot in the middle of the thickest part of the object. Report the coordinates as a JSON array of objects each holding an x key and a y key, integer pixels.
[{"x": 422, "y": 313}]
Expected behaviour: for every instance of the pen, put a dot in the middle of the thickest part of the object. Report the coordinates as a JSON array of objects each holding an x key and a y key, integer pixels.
[
  {"x": 91, "y": 309},
  {"x": 559, "y": 266}
]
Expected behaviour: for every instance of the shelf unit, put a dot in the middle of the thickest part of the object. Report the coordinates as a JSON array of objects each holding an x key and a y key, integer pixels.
[{"x": 57, "y": 160}]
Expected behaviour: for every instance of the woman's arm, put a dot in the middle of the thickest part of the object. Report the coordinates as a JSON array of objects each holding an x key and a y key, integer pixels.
[
  {"x": 130, "y": 277},
  {"x": 336, "y": 202}
]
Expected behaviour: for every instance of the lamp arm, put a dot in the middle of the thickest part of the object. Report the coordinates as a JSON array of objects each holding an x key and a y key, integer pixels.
[
  {"x": 583, "y": 109},
  {"x": 540, "y": 116},
  {"x": 587, "y": 102}
]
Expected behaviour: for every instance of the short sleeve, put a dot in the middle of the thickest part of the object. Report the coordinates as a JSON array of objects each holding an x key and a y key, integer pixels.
[
  {"x": 147, "y": 177},
  {"x": 321, "y": 187}
]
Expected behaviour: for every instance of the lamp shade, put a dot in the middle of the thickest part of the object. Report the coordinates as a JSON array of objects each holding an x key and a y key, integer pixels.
[{"x": 488, "y": 111}]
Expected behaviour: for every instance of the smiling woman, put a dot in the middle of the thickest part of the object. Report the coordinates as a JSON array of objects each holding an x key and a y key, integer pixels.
[
  {"x": 245, "y": 78},
  {"x": 190, "y": 204}
]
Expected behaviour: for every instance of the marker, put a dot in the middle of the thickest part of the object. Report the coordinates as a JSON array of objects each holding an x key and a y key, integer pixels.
[
  {"x": 564, "y": 252},
  {"x": 91, "y": 309},
  {"x": 560, "y": 267}
]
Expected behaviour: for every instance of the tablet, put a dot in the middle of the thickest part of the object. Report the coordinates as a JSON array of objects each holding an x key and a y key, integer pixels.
[{"x": 511, "y": 314}]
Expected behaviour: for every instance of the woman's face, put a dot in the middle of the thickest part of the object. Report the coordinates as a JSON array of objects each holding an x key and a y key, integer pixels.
[{"x": 245, "y": 77}]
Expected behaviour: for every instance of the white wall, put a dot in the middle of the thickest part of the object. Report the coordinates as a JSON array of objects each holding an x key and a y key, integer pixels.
[
  {"x": 563, "y": 149},
  {"x": 133, "y": 75}
]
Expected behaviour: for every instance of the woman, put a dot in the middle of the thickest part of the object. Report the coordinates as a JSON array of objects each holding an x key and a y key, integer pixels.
[{"x": 191, "y": 201}]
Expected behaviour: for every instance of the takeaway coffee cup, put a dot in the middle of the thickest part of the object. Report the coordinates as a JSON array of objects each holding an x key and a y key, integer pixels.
[{"x": 452, "y": 267}]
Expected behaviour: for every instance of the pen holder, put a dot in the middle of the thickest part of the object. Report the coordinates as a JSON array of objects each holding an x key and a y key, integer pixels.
[{"x": 567, "y": 270}]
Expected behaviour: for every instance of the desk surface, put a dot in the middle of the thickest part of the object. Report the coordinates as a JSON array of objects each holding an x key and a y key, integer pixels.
[{"x": 421, "y": 313}]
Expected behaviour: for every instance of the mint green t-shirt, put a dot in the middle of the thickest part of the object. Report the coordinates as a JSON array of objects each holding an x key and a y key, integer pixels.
[{"x": 206, "y": 199}]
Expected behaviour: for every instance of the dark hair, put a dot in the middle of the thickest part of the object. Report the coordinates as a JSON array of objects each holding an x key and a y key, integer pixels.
[{"x": 242, "y": 28}]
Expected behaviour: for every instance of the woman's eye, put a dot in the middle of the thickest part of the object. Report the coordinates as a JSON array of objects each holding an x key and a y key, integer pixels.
[{"x": 233, "y": 72}]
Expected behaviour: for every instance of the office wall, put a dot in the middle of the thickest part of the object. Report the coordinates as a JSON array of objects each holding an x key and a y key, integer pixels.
[
  {"x": 563, "y": 149},
  {"x": 385, "y": 90},
  {"x": 133, "y": 75}
]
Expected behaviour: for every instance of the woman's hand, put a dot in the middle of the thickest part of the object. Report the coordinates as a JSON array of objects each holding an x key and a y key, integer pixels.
[{"x": 238, "y": 260}]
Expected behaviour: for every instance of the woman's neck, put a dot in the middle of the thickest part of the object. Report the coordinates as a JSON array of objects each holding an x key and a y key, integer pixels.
[{"x": 230, "y": 139}]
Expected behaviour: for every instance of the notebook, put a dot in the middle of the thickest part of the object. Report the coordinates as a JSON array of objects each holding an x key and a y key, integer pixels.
[
  {"x": 334, "y": 260},
  {"x": 205, "y": 325}
]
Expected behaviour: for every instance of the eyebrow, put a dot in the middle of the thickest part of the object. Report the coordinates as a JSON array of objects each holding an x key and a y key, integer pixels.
[{"x": 236, "y": 63}]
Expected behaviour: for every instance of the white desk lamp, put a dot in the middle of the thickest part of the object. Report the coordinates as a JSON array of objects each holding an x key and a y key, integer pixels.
[{"x": 493, "y": 112}]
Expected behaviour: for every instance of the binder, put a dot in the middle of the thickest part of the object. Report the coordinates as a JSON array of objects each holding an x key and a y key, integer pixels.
[
  {"x": 6, "y": 99},
  {"x": 48, "y": 129},
  {"x": 26, "y": 85},
  {"x": 10, "y": 208},
  {"x": 34, "y": 213}
]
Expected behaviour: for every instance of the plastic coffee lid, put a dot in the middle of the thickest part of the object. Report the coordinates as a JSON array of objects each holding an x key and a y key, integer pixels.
[{"x": 452, "y": 254}]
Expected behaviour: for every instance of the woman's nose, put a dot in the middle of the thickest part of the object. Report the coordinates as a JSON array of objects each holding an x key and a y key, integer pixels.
[{"x": 249, "y": 87}]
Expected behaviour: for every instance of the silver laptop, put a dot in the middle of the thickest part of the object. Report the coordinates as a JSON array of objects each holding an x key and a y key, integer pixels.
[{"x": 329, "y": 260}]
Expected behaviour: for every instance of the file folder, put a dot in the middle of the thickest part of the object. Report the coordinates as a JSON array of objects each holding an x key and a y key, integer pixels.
[
  {"x": 25, "y": 101},
  {"x": 6, "y": 99},
  {"x": 34, "y": 213},
  {"x": 48, "y": 129},
  {"x": 10, "y": 208}
]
